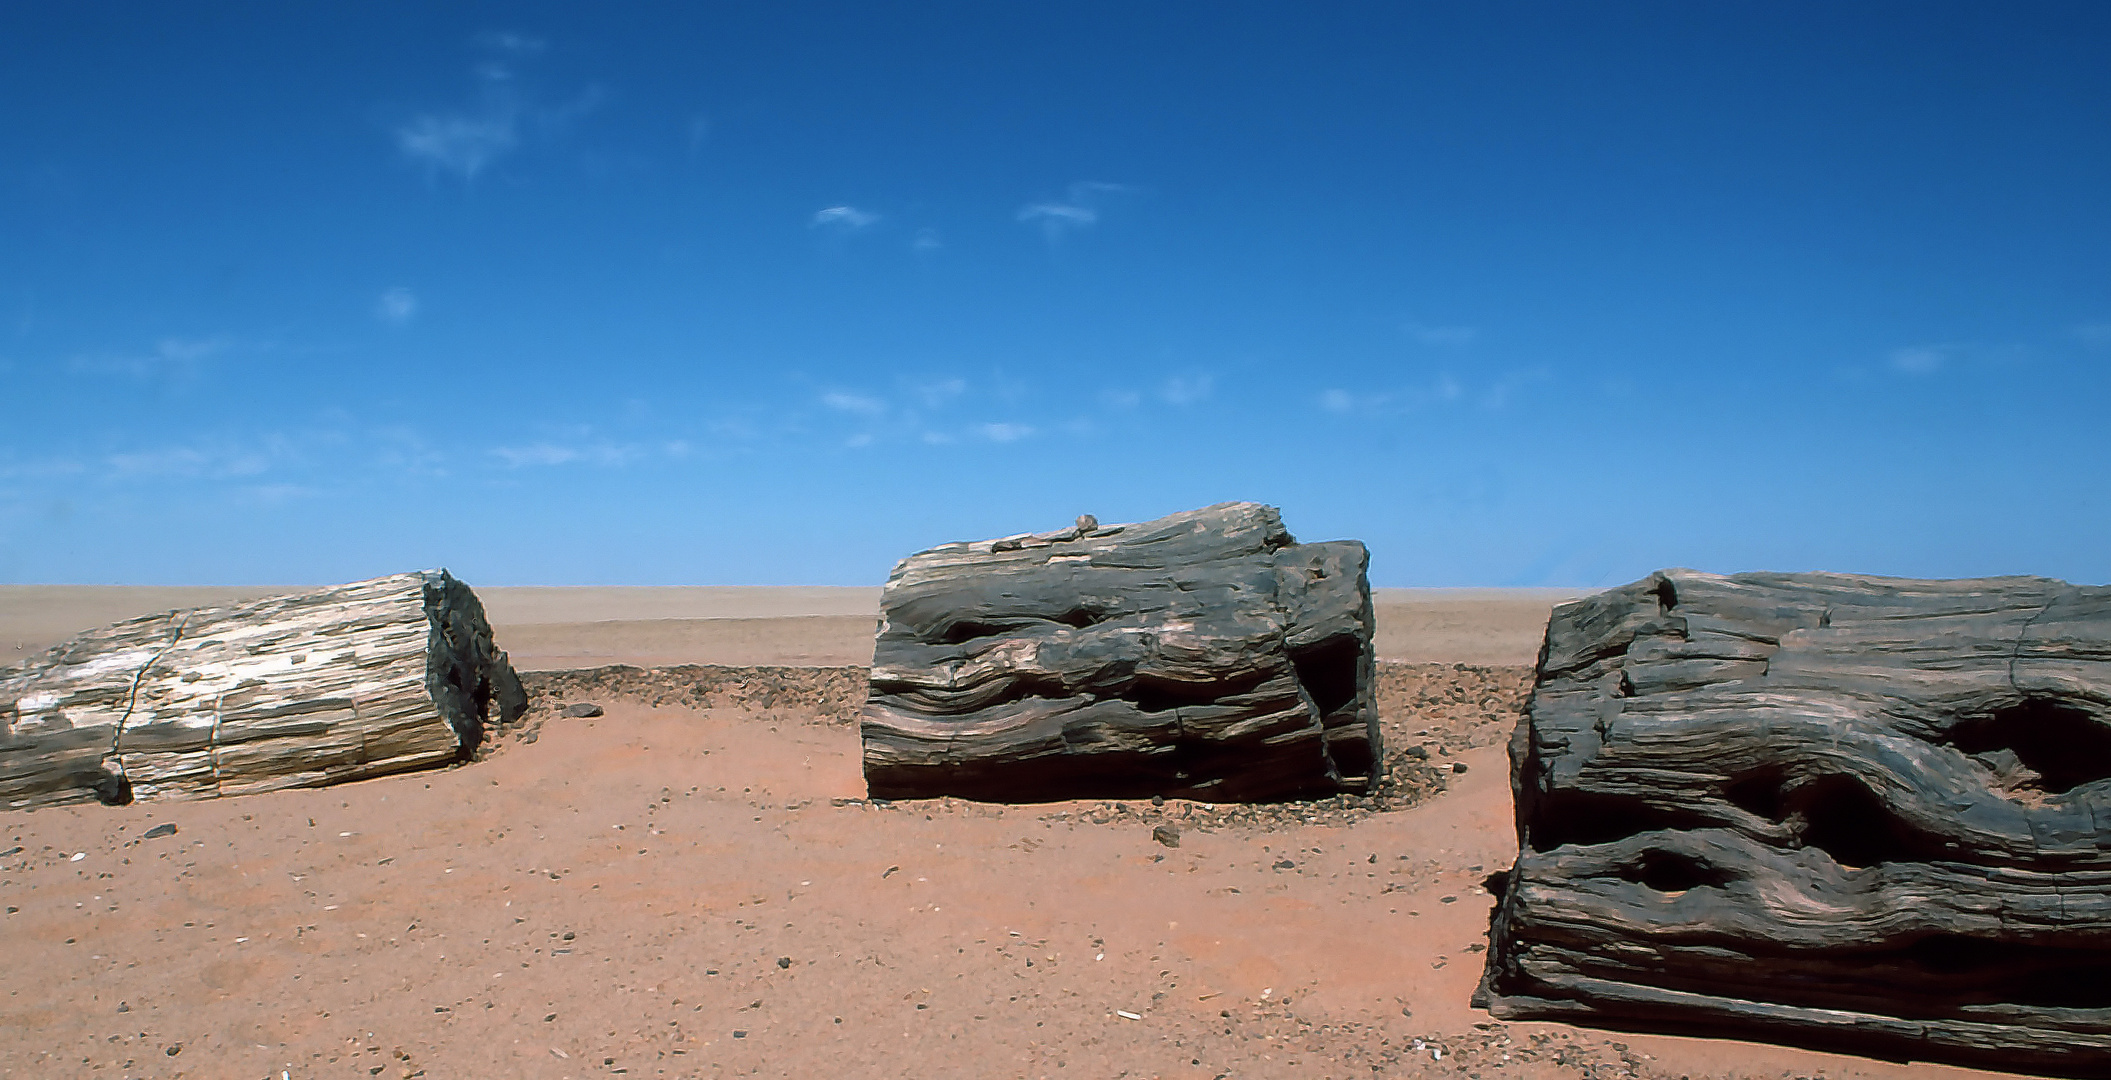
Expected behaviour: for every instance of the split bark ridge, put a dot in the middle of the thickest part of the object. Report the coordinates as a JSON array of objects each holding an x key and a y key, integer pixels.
[
  {"x": 1206, "y": 654},
  {"x": 290, "y": 691},
  {"x": 1861, "y": 813}
]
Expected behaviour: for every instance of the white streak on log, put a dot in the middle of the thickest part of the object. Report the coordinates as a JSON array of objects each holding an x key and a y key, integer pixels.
[{"x": 313, "y": 688}]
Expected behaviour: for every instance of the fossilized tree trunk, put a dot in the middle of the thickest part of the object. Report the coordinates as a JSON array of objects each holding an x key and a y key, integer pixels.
[
  {"x": 289, "y": 691},
  {"x": 1861, "y": 813},
  {"x": 1206, "y": 654}
]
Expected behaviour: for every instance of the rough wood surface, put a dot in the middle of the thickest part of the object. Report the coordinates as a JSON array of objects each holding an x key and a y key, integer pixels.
[
  {"x": 1205, "y": 654},
  {"x": 1860, "y": 813},
  {"x": 289, "y": 691}
]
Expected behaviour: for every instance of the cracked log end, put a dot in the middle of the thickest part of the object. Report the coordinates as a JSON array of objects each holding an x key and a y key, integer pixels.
[
  {"x": 291, "y": 691},
  {"x": 1206, "y": 655},
  {"x": 1862, "y": 814}
]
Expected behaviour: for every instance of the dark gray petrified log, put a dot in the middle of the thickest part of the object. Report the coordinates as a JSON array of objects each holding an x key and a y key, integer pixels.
[
  {"x": 1206, "y": 654},
  {"x": 1860, "y": 813},
  {"x": 290, "y": 691}
]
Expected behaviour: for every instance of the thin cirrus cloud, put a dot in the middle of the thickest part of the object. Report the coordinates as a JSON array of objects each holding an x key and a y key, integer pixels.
[
  {"x": 1005, "y": 433},
  {"x": 459, "y": 143},
  {"x": 547, "y": 454},
  {"x": 465, "y": 141},
  {"x": 1441, "y": 336},
  {"x": 170, "y": 358},
  {"x": 856, "y": 404},
  {"x": 1921, "y": 359},
  {"x": 193, "y": 462},
  {"x": 844, "y": 218},
  {"x": 397, "y": 306},
  {"x": 1187, "y": 389},
  {"x": 1080, "y": 210},
  {"x": 938, "y": 393}
]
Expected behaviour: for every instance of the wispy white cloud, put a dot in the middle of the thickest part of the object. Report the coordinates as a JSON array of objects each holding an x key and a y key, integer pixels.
[
  {"x": 397, "y": 306},
  {"x": 1441, "y": 336},
  {"x": 1187, "y": 389},
  {"x": 466, "y": 140},
  {"x": 194, "y": 462},
  {"x": 859, "y": 404},
  {"x": 1439, "y": 392},
  {"x": 546, "y": 453},
  {"x": 171, "y": 357},
  {"x": 511, "y": 43},
  {"x": 937, "y": 394},
  {"x": 1921, "y": 359},
  {"x": 926, "y": 240},
  {"x": 460, "y": 143},
  {"x": 2094, "y": 335},
  {"x": 277, "y": 494},
  {"x": 41, "y": 468},
  {"x": 403, "y": 450},
  {"x": 1080, "y": 210},
  {"x": 1058, "y": 215},
  {"x": 1503, "y": 390},
  {"x": 1005, "y": 433},
  {"x": 846, "y": 218}
]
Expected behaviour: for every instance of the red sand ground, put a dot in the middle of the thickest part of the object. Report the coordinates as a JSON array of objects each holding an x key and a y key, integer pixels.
[{"x": 695, "y": 892}]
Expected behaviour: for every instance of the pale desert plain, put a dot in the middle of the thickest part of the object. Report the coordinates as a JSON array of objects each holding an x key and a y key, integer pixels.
[{"x": 694, "y": 885}]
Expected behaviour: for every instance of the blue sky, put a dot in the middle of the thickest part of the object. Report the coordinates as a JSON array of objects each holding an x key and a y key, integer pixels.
[{"x": 1517, "y": 294}]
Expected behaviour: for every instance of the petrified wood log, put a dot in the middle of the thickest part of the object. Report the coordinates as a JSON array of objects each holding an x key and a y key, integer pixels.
[
  {"x": 1859, "y": 813},
  {"x": 1206, "y": 654},
  {"x": 290, "y": 691}
]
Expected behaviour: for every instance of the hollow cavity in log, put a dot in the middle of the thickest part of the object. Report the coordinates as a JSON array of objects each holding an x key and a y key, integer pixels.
[{"x": 1858, "y": 813}]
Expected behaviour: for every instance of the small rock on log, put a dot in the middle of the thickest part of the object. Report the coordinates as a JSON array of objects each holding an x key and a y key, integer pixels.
[
  {"x": 1856, "y": 813},
  {"x": 1206, "y": 654},
  {"x": 290, "y": 691}
]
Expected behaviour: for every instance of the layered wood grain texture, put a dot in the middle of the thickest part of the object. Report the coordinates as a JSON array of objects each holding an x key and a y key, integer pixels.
[
  {"x": 1206, "y": 654},
  {"x": 1857, "y": 813},
  {"x": 289, "y": 691}
]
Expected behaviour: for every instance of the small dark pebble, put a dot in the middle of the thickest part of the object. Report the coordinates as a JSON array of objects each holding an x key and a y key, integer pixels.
[
  {"x": 1447, "y": 900},
  {"x": 1167, "y": 835},
  {"x": 166, "y": 828},
  {"x": 1157, "y": 800},
  {"x": 1286, "y": 865},
  {"x": 174, "y": 1049},
  {"x": 581, "y": 710},
  {"x": 1458, "y": 766},
  {"x": 549, "y": 1018},
  {"x": 122, "y": 1007},
  {"x": 784, "y": 962},
  {"x": 740, "y": 1034}
]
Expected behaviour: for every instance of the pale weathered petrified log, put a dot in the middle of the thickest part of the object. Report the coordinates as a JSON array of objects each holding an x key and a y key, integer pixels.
[
  {"x": 1862, "y": 813},
  {"x": 1206, "y": 654},
  {"x": 289, "y": 691}
]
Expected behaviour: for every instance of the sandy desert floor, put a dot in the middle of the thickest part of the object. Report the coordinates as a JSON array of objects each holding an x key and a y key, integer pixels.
[{"x": 693, "y": 885}]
